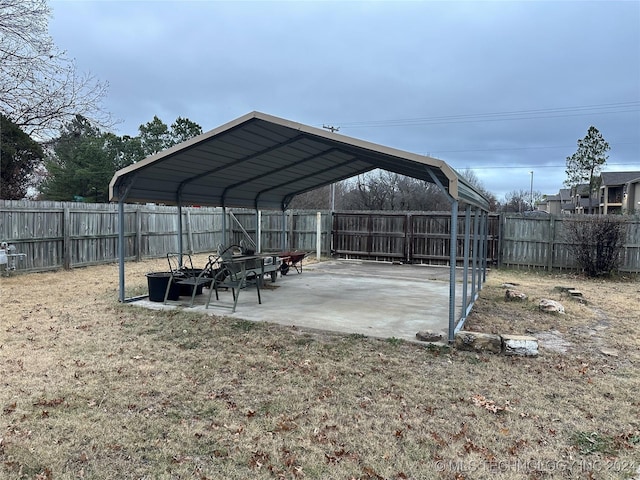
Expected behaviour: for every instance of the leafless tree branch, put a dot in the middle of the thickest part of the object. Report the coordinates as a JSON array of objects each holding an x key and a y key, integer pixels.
[{"x": 40, "y": 87}]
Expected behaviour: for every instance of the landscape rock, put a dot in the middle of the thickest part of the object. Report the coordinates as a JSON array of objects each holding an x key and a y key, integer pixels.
[
  {"x": 429, "y": 336},
  {"x": 551, "y": 306},
  {"x": 510, "y": 285},
  {"x": 563, "y": 289},
  {"x": 520, "y": 345},
  {"x": 553, "y": 340},
  {"x": 514, "y": 296},
  {"x": 609, "y": 352},
  {"x": 478, "y": 342}
]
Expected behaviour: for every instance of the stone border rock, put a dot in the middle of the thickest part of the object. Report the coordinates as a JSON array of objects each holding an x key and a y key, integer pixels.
[
  {"x": 513, "y": 345},
  {"x": 516, "y": 345}
]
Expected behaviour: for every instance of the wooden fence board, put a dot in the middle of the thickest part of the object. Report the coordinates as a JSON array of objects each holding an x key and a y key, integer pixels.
[{"x": 542, "y": 242}]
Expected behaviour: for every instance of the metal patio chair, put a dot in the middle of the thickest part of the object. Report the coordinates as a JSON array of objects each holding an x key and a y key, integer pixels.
[
  {"x": 183, "y": 274},
  {"x": 232, "y": 275}
]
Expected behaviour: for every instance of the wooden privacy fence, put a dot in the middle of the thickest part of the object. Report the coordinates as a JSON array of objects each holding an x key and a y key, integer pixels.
[
  {"x": 56, "y": 235},
  {"x": 542, "y": 243},
  {"x": 301, "y": 229},
  {"x": 514, "y": 241},
  {"x": 416, "y": 237}
]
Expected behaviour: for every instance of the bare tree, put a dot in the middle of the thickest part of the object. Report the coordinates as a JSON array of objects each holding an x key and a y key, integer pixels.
[
  {"x": 472, "y": 177},
  {"x": 383, "y": 190},
  {"x": 320, "y": 198},
  {"x": 519, "y": 201},
  {"x": 40, "y": 88}
]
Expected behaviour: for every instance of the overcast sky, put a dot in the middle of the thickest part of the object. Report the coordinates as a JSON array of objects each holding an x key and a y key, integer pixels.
[{"x": 503, "y": 88}]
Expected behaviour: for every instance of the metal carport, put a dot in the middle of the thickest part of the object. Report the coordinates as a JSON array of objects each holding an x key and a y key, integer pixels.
[{"x": 260, "y": 161}]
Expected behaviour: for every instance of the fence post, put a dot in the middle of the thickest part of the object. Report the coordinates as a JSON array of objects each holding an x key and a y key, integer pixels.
[
  {"x": 551, "y": 245},
  {"x": 189, "y": 233},
  {"x": 318, "y": 234},
  {"x": 283, "y": 232},
  {"x": 408, "y": 222},
  {"x": 290, "y": 243},
  {"x": 259, "y": 232},
  {"x": 66, "y": 239},
  {"x": 501, "y": 225},
  {"x": 138, "y": 234}
]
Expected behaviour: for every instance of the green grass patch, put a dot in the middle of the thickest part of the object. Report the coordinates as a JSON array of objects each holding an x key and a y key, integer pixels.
[
  {"x": 593, "y": 442},
  {"x": 245, "y": 326}
]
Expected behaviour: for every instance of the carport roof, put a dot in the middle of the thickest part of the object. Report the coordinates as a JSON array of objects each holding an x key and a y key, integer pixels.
[{"x": 260, "y": 161}]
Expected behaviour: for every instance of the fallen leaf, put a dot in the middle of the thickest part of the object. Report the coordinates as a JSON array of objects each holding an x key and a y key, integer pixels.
[
  {"x": 49, "y": 403},
  {"x": 489, "y": 405}
]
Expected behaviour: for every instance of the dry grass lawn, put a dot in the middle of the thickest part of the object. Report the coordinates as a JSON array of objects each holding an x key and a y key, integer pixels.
[{"x": 95, "y": 389}]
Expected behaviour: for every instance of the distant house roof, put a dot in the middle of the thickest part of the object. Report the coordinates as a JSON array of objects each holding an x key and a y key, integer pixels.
[
  {"x": 584, "y": 202},
  {"x": 618, "y": 178},
  {"x": 553, "y": 198},
  {"x": 582, "y": 189},
  {"x": 565, "y": 194}
]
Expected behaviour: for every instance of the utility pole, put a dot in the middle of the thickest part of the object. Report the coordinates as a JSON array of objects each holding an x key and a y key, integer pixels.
[
  {"x": 332, "y": 129},
  {"x": 531, "y": 191}
]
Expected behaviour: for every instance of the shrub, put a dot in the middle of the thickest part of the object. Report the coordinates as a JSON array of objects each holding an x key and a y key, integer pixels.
[{"x": 596, "y": 242}]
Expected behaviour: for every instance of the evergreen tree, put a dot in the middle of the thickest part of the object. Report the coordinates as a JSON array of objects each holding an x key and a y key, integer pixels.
[
  {"x": 84, "y": 159},
  {"x": 80, "y": 167},
  {"x": 585, "y": 164},
  {"x": 154, "y": 136},
  {"x": 20, "y": 155},
  {"x": 184, "y": 129}
]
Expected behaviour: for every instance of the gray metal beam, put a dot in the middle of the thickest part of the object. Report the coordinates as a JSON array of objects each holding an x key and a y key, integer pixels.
[
  {"x": 121, "y": 252},
  {"x": 452, "y": 269},
  {"x": 467, "y": 242},
  {"x": 453, "y": 243}
]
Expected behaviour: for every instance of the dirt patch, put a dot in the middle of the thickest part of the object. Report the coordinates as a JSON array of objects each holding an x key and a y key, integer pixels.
[{"x": 94, "y": 389}]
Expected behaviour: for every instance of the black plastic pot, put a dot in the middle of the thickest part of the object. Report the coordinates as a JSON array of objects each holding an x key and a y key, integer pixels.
[
  {"x": 187, "y": 290},
  {"x": 157, "y": 283}
]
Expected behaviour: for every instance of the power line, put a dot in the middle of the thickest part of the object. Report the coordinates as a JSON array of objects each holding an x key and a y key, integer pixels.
[
  {"x": 581, "y": 110},
  {"x": 529, "y": 167},
  {"x": 522, "y": 148}
]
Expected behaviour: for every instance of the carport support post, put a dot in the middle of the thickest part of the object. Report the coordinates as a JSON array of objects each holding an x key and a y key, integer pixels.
[
  {"x": 452, "y": 268},
  {"x": 476, "y": 256},
  {"x": 121, "y": 251},
  {"x": 465, "y": 274},
  {"x": 485, "y": 249},
  {"x": 453, "y": 247}
]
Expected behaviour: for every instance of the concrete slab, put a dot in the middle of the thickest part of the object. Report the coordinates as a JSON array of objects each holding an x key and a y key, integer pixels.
[{"x": 369, "y": 298}]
